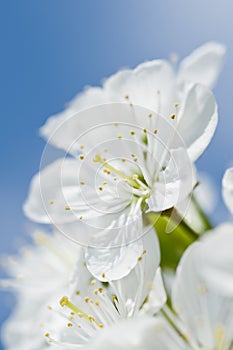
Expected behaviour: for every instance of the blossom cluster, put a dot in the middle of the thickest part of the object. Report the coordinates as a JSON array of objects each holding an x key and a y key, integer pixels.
[{"x": 128, "y": 258}]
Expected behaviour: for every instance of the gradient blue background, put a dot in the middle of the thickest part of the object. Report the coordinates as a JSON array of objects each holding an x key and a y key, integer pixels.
[{"x": 50, "y": 49}]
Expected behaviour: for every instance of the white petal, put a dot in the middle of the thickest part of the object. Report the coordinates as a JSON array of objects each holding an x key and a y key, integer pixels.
[
  {"x": 114, "y": 252},
  {"x": 157, "y": 296},
  {"x": 198, "y": 120},
  {"x": 203, "y": 65},
  {"x": 203, "y": 288},
  {"x": 56, "y": 196},
  {"x": 52, "y": 190},
  {"x": 227, "y": 189},
  {"x": 175, "y": 183},
  {"x": 142, "y": 276},
  {"x": 151, "y": 84},
  {"x": 137, "y": 334},
  {"x": 90, "y": 97}
]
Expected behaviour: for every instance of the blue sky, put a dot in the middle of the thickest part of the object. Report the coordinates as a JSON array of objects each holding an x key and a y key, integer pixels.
[{"x": 51, "y": 49}]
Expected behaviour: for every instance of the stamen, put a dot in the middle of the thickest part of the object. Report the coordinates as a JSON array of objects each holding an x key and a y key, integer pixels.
[
  {"x": 65, "y": 302},
  {"x": 109, "y": 169},
  {"x": 172, "y": 116},
  {"x": 81, "y": 156},
  {"x": 51, "y": 202}
]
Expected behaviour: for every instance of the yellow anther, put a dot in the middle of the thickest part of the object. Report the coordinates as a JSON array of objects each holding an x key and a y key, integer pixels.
[
  {"x": 97, "y": 303},
  {"x": 69, "y": 324},
  {"x": 132, "y": 132},
  {"x": 103, "y": 275},
  {"x": 67, "y": 208},
  {"x": 81, "y": 217},
  {"x": 93, "y": 282},
  {"x": 126, "y": 97},
  {"x": 100, "y": 188},
  {"x": 96, "y": 291},
  {"x": 47, "y": 335},
  {"x": 114, "y": 298},
  {"x": 176, "y": 105},
  {"x": 82, "y": 183},
  {"x": 105, "y": 183},
  {"x": 155, "y": 131},
  {"x": 81, "y": 156},
  {"x": 145, "y": 131},
  {"x": 119, "y": 137},
  {"x": 105, "y": 150},
  {"x": 77, "y": 292},
  {"x": 97, "y": 159},
  {"x": 100, "y": 290},
  {"x": 81, "y": 147},
  {"x": 135, "y": 159},
  {"x": 135, "y": 176},
  {"x": 51, "y": 202},
  {"x": 172, "y": 116},
  {"x": 144, "y": 251},
  {"x": 123, "y": 160},
  {"x": 101, "y": 325},
  {"x": 64, "y": 301},
  {"x": 150, "y": 115},
  {"x": 107, "y": 171},
  {"x": 115, "y": 178},
  {"x": 86, "y": 299},
  {"x": 140, "y": 258},
  {"x": 49, "y": 307}
]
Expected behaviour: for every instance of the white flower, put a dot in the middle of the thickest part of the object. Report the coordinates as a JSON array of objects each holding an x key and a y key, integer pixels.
[
  {"x": 127, "y": 169},
  {"x": 156, "y": 85},
  {"x": 43, "y": 273},
  {"x": 38, "y": 277},
  {"x": 94, "y": 313},
  {"x": 202, "y": 296}
]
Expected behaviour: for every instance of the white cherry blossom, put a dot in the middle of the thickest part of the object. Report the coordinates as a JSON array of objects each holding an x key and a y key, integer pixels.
[
  {"x": 133, "y": 161},
  {"x": 95, "y": 312}
]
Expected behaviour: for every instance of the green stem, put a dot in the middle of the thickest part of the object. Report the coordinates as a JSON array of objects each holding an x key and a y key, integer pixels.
[{"x": 174, "y": 235}]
